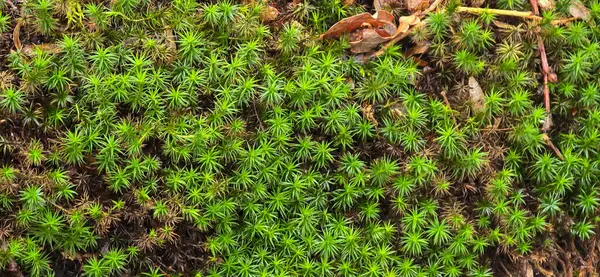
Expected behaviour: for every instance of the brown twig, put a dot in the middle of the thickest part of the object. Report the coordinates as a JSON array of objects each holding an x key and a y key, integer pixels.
[
  {"x": 547, "y": 75},
  {"x": 551, "y": 145}
]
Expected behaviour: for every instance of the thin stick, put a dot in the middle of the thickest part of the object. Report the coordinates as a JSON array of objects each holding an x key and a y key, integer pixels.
[
  {"x": 551, "y": 145},
  {"x": 545, "y": 69},
  {"x": 528, "y": 15}
]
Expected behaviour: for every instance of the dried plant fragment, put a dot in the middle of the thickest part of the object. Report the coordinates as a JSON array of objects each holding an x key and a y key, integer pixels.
[
  {"x": 546, "y": 4},
  {"x": 477, "y": 99},
  {"x": 366, "y": 31},
  {"x": 579, "y": 11},
  {"x": 416, "y": 5}
]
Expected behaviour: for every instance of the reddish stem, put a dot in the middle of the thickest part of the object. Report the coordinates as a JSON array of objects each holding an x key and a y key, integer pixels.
[{"x": 545, "y": 69}]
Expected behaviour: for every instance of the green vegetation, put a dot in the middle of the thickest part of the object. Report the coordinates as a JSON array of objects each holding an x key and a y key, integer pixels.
[{"x": 176, "y": 138}]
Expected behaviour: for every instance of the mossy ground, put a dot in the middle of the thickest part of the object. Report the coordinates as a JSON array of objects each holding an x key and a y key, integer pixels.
[{"x": 184, "y": 138}]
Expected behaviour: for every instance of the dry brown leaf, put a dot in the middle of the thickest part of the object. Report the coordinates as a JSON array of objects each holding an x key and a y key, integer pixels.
[
  {"x": 476, "y": 96},
  {"x": 371, "y": 39},
  {"x": 405, "y": 23},
  {"x": 420, "y": 62},
  {"x": 418, "y": 49},
  {"x": 546, "y": 4},
  {"x": 416, "y": 5},
  {"x": 578, "y": 10},
  {"x": 410, "y": 20},
  {"x": 352, "y": 23},
  {"x": 269, "y": 14},
  {"x": 366, "y": 31},
  {"x": 384, "y": 16},
  {"x": 16, "y": 34}
]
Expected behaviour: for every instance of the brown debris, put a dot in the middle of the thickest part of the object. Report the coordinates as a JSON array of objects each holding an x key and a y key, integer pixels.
[
  {"x": 383, "y": 4},
  {"x": 476, "y": 96},
  {"x": 16, "y": 34},
  {"x": 353, "y": 23},
  {"x": 418, "y": 49},
  {"x": 579, "y": 11},
  {"x": 546, "y": 4},
  {"x": 368, "y": 113},
  {"x": 269, "y": 14},
  {"x": 416, "y": 5},
  {"x": 366, "y": 31},
  {"x": 415, "y": 22}
]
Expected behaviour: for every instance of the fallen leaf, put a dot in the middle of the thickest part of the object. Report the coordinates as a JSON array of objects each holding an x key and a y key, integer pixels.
[
  {"x": 404, "y": 24},
  {"x": 370, "y": 40},
  {"x": 416, "y": 5},
  {"x": 418, "y": 49},
  {"x": 269, "y": 14},
  {"x": 410, "y": 20},
  {"x": 366, "y": 31},
  {"x": 420, "y": 62},
  {"x": 476, "y": 96},
  {"x": 348, "y": 2},
  {"x": 578, "y": 10},
  {"x": 353, "y": 23},
  {"x": 16, "y": 33},
  {"x": 546, "y": 4},
  {"x": 369, "y": 31}
]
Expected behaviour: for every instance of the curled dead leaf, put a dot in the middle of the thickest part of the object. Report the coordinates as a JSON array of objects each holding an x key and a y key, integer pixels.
[
  {"x": 353, "y": 23},
  {"x": 366, "y": 31},
  {"x": 477, "y": 99},
  {"x": 578, "y": 10}
]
